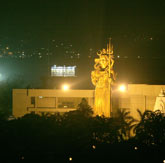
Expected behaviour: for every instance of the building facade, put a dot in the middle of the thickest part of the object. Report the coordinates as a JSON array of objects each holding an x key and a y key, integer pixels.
[
  {"x": 136, "y": 96},
  {"x": 48, "y": 100}
]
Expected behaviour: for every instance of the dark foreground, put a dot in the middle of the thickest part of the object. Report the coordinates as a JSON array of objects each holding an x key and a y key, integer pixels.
[{"x": 79, "y": 137}]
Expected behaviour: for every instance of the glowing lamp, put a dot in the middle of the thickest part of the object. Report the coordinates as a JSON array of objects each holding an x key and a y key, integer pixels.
[
  {"x": 70, "y": 158},
  {"x": 122, "y": 88},
  {"x": 65, "y": 87}
]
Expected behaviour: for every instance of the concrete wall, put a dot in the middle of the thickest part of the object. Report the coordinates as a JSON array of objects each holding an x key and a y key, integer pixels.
[
  {"x": 137, "y": 96},
  {"x": 45, "y": 100},
  {"x": 20, "y": 102}
]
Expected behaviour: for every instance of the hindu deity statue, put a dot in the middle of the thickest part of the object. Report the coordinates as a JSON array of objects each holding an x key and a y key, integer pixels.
[{"x": 102, "y": 77}]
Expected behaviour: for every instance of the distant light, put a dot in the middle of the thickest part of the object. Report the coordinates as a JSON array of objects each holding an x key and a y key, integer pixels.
[
  {"x": 22, "y": 158},
  {"x": 70, "y": 158},
  {"x": 118, "y": 56},
  {"x": 136, "y": 148},
  {"x": 40, "y": 96},
  {"x": 93, "y": 146},
  {"x": 65, "y": 87},
  {"x": 122, "y": 88},
  {"x": 10, "y": 53}
]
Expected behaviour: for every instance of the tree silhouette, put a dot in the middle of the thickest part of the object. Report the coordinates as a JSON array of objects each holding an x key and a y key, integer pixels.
[
  {"x": 151, "y": 128},
  {"x": 126, "y": 123},
  {"x": 84, "y": 108}
]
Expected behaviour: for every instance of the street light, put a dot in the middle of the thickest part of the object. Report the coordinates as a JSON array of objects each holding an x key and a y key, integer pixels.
[
  {"x": 122, "y": 88},
  {"x": 65, "y": 87}
]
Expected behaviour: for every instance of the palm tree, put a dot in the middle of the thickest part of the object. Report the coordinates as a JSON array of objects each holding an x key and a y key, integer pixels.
[
  {"x": 126, "y": 123},
  {"x": 151, "y": 128}
]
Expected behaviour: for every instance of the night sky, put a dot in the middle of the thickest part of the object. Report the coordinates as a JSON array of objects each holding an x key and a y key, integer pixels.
[
  {"x": 82, "y": 20},
  {"x": 137, "y": 27}
]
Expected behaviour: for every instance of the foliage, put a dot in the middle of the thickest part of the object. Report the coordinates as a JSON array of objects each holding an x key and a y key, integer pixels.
[
  {"x": 126, "y": 123},
  {"x": 83, "y": 137},
  {"x": 151, "y": 128},
  {"x": 84, "y": 108}
]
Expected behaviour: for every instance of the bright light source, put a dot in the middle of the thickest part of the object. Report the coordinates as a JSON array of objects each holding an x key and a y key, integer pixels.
[
  {"x": 70, "y": 158},
  {"x": 136, "y": 148},
  {"x": 65, "y": 87},
  {"x": 122, "y": 88},
  {"x": 93, "y": 146}
]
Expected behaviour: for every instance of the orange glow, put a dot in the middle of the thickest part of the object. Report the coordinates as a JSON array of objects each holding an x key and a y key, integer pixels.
[
  {"x": 70, "y": 158},
  {"x": 93, "y": 146}
]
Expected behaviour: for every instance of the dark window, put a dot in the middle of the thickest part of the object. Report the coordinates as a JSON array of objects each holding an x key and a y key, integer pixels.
[
  {"x": 66, "y": 105},
  {"x": 33, "y": 100}
]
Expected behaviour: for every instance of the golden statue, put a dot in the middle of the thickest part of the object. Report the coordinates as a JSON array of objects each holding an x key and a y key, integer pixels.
[{"x": 102, "y": 78}]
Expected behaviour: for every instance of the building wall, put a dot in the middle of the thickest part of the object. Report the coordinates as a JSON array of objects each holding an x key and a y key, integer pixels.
[
  {"x": 20, "y": 102},
  {"x": 137, "y": 96},
  {"x": 48, "y": 100}
]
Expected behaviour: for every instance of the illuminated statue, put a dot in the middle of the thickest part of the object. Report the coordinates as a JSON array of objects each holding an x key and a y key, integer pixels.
[
  {"x": 160, "y": 102},
  {"x": 102, "y": 78}
]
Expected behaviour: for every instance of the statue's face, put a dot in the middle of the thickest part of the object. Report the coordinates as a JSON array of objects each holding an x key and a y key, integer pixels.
[{"x": 103, "y": 62}]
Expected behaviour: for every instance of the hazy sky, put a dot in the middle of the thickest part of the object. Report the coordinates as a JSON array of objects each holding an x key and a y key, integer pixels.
[
  {"x": 87, "y": 24},
  {"x": 136, "y": 26}
]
